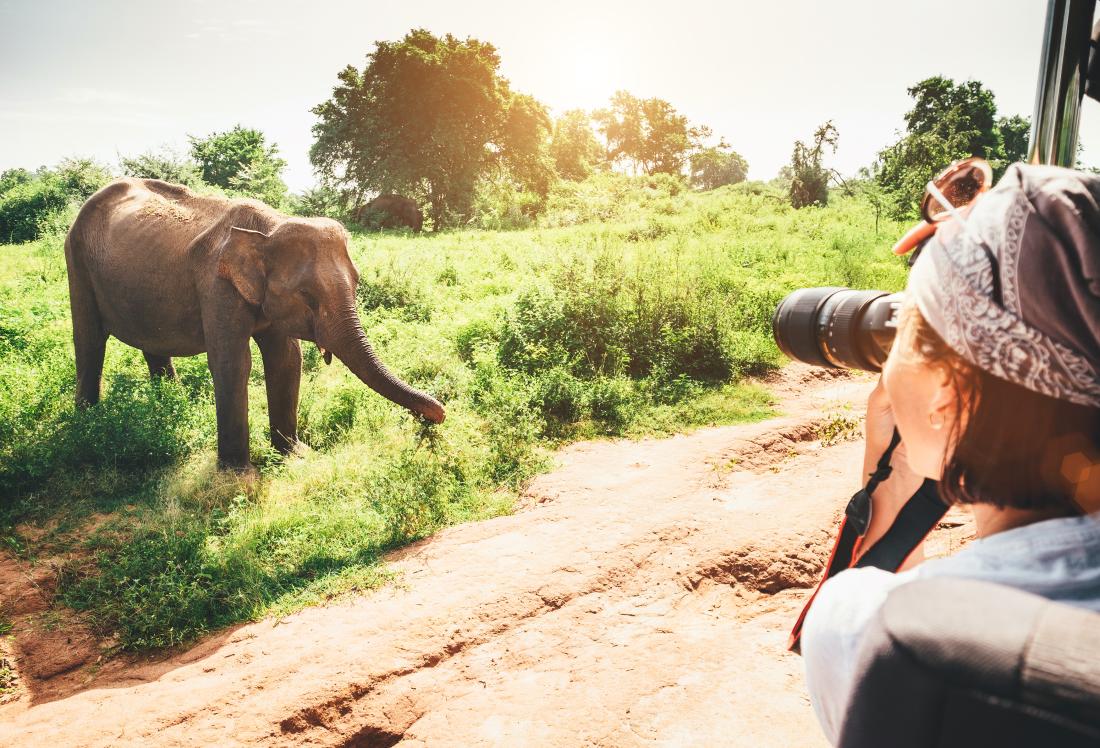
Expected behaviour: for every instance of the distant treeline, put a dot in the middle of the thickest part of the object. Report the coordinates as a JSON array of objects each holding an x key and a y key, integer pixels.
[{"x": 432, "y": 118}]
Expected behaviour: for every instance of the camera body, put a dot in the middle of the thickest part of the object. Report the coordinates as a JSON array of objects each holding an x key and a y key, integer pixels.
[{"x": 839, "y": 328}]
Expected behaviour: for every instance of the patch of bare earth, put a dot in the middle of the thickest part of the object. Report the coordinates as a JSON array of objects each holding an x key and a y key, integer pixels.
[{"x": 642, "y": 595}]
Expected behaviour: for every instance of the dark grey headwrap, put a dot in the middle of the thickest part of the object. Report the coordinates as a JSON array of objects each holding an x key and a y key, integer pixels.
[{"x": 1016, "y": 290}]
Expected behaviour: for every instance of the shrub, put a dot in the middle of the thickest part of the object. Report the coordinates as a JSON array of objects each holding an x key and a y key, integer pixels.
[
  {"x": 164, "y": 165},
  {"x": 392, "y": 289},
  {"x": 27, "y": 207}
]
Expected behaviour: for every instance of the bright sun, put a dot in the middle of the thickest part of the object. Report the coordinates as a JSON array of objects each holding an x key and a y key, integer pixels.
[{"x": 591, "y": 74}]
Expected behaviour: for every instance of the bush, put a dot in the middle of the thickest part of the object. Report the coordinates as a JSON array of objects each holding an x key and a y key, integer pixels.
[
  {"x": 26, "y": 208},
  {"x": 599, "y": 321},
  {"x": 34, "y": 205},
  {"x": 138, "y": 425},
  {"x": 165, "y": 165},
  {"x": 392, "y": 289}
]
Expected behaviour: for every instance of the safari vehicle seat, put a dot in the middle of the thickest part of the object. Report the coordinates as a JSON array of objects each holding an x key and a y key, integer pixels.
[{"x": 955, "y": 662}]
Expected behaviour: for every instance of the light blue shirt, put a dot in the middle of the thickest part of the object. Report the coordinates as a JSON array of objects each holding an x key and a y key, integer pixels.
[{"x": 1058, "y": 559}]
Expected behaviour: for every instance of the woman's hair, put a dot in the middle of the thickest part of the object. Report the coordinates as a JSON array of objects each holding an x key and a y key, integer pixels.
[{"x": 1011, "y": 447}]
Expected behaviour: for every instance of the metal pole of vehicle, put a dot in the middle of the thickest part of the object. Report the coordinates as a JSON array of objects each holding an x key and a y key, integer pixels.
[{"x": 1062, "y": 70}]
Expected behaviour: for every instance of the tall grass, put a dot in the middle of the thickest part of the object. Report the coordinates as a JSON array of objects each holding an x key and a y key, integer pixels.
[{"x": 635, "y": 307}]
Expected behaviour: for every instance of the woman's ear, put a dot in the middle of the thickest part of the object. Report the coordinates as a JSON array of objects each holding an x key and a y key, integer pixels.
[
  {"x": 945, "y": 396},
  {"x": 242, "y": 263}
]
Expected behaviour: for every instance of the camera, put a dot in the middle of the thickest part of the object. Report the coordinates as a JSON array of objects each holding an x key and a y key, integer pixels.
[{"x": 838, "y": 328}]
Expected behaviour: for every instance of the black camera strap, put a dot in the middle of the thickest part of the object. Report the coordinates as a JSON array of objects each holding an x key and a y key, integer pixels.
[{"x": 917, "y": 518}]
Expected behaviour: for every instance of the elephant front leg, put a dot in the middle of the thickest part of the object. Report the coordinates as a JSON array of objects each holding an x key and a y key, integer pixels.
[
  {"x": 282, "y": 358},
  {"x": 230, "y": 367}
]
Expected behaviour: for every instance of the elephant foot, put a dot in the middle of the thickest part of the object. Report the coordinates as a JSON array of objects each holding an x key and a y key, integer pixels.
[{"x": 242, "y": 469}]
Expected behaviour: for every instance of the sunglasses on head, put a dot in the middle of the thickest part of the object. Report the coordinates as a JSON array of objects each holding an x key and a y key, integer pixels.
[{"x": 945, "y": 196}]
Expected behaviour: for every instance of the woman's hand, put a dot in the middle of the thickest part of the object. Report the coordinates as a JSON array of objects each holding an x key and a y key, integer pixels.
[{"x": 890, "y": 495}]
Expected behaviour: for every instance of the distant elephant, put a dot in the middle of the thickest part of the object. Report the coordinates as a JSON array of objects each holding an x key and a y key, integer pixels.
[
  {"x": 390, "y": 212},
  {"x": 175, "y": 274}
]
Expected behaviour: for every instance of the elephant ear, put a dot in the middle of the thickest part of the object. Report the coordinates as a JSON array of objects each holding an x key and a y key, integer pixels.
[{"x": 242, "y": 263}]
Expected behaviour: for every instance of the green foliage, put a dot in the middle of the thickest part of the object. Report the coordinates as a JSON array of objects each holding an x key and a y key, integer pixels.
[
  {"x": 429, "y": 117},
  {"x": 1015, "y": 132},
  {"x": 26, "y": 206},
  {"x": 715, "y": 167},
  {"x": 32, "y": 205},
  {"x": 525, "y": 144},
  {"x": 241, "y": 161},
  {"x": 81, "y": 177},
  {"x": 948, "y": 121},
  {"x": 574, "y": 147},
  {"x": 809, "y": 179},
  {"x": 164, "y": 165},
  {"x": 12, "y": 178},
  {"x": 631, "y": 307},
  {"x": 320, "y": 201},
  {"x": 648, "y": 133},
  {"x": 394, "y": 289},
  {"x": 500, "y": 205}
]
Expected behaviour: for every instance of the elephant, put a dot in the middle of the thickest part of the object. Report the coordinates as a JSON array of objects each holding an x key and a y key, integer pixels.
[
  {"x": 389, "y": 212},
  {"x": 173, "y": 273}
]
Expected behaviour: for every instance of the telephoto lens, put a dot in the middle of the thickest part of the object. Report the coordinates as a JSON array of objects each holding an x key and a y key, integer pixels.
[{"x": 838, "y": 328}]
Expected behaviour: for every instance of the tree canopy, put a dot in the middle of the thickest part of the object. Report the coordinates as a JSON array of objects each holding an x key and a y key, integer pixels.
[
  {"x": 574, "y": 147},
  {"x": 716, "y": 166},
  {"x": 240, "y": 160},
  {"x": 428, "y": 117},
  {"x": 648, "y": 133},
  {"x": 948, "y": 121}
]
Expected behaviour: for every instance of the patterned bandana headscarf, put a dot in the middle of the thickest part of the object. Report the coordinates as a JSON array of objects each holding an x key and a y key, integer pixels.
[{"x": 1016, "y": 291}]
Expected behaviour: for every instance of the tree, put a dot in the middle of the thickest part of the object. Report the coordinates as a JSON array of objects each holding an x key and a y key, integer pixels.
[
  {"x": 1015, "y": 133},
  {"x": 240, "y": 160},
  {"x": 809, "y": 178},
  {"x": 164, "y": 165},
  {"x": 716, "y": 166},
  {"x": 649, "y": 133},
  {"x": 12, "y": 178},
  {"x": 574, "y": 147},
  {"x": 32, "y": 204},
  {"x": 525, "y": 144},
  {"x": 949, "y": 121},
  {"x": 428, "y": 117}
]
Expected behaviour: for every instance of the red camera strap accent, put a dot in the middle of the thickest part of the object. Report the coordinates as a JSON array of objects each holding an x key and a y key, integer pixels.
[{"x": 917, "y": 518}]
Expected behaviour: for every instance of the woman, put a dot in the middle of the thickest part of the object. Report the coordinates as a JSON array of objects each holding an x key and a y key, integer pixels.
[{"x": 993, "y": 383}]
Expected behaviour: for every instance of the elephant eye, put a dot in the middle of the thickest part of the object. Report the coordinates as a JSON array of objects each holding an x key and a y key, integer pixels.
[{"x": 308, "y": 298}]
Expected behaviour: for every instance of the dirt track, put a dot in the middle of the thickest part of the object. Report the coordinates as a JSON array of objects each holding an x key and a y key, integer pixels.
[{"x": 641, "y": 596}]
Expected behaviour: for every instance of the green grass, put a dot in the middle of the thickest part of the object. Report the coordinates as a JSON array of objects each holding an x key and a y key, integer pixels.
[{"x": 634, "y": 308}]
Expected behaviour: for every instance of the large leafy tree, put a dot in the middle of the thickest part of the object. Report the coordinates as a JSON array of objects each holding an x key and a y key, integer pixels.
[
  {"x": 428, "y": 117},
  {"x": 241, "y": 160},
  {"x": 648, "y": 133},
  {"x": 525, "y": 144},
  {"x": 574, "y": 147},
  {"x": 948, "y": 121},
  {"x": 717, "y": 166}
]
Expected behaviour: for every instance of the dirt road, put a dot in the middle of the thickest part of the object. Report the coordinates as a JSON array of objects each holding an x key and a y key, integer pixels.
[{"x": 641, "y": 596}]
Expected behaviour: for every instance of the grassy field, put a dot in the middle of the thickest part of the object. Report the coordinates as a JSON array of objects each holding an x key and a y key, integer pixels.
[{"x": 634, "y": 307}]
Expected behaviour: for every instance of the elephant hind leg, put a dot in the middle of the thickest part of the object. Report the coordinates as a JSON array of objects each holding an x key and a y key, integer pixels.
[
  {"x": 160, "y": 366},
  {"x": 89, "y": 339}
]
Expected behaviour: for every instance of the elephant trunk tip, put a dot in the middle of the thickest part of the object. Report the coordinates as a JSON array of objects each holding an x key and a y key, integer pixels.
[{"x": 433, "y": 410}]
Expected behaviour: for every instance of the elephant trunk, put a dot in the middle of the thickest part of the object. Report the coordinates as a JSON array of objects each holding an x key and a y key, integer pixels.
[{"x": 349, "y": 343}]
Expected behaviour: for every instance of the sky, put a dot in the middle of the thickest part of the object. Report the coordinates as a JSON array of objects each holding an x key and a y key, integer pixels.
[{"x": 105, "y": 78}]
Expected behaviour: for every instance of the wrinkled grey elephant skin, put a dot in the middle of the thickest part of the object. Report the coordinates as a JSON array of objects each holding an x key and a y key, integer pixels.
[
  {"x": 176, "y": 274},
  {"x": 390, "y": 212}
]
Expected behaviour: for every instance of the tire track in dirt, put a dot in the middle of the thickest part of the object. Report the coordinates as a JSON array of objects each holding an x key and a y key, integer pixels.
[{"x": 641, "y": 596}]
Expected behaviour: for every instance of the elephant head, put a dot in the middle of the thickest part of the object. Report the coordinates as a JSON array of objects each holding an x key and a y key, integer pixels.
[{"x": 301, "y": 277}]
